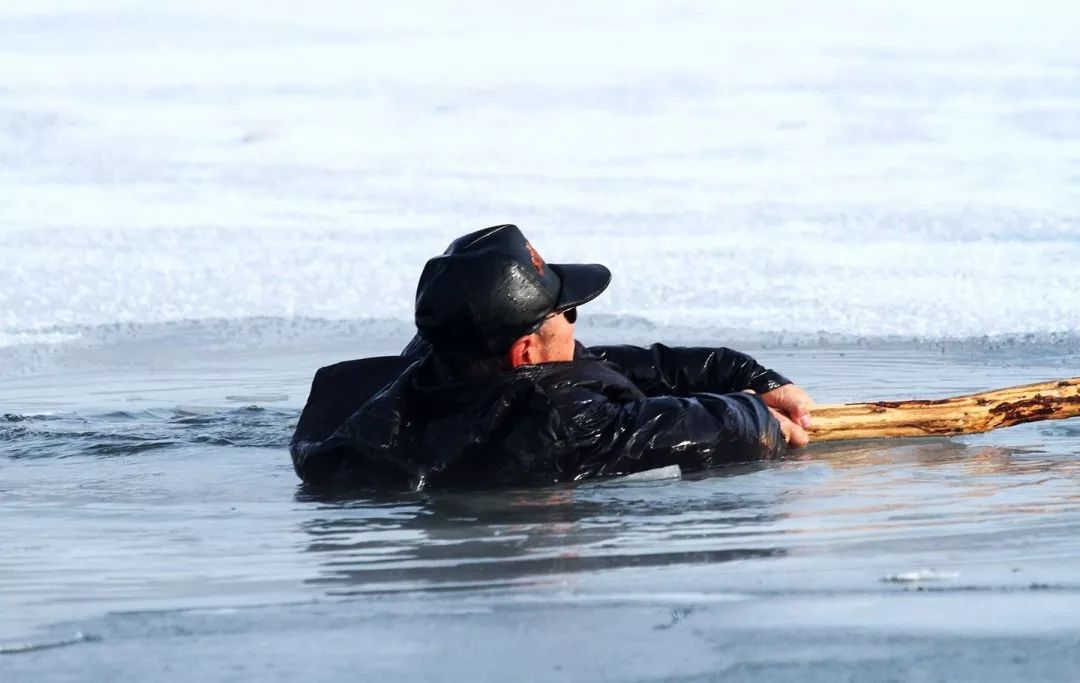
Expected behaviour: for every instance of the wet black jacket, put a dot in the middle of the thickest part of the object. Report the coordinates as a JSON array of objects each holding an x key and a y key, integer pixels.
[{"x": 402, "y": 423}]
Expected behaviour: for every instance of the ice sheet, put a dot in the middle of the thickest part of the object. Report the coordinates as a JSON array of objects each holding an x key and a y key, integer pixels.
[{"x": 779, "y": 168}]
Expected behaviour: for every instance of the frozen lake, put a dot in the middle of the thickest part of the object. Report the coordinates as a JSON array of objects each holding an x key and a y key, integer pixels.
[{"x": 901, "y": 168}]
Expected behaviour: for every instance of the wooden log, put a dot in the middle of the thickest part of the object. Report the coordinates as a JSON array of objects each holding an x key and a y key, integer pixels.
[{"x": 970, "y": 414}]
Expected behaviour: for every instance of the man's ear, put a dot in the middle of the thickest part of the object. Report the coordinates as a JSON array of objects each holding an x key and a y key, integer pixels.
[{"x": 523, "y": 351}]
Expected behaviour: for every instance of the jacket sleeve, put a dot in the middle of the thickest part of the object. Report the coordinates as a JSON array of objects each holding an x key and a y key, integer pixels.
[
  {"x": 695, "y": 432},
  {"x": 661, "y": 370}
]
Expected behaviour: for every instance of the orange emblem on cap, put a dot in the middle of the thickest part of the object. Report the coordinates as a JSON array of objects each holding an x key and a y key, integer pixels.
[{"x": 537, "y": 262}]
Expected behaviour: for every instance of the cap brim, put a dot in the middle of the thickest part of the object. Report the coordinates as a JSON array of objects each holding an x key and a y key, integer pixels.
[{"x": 581, "y": 283}]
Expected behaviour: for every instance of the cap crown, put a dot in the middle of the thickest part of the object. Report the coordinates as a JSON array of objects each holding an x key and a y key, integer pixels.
[{"x": 487, "y": 289}]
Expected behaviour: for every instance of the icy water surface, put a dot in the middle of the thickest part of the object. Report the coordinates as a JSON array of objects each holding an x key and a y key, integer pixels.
[{"x": 142, "y": 533}]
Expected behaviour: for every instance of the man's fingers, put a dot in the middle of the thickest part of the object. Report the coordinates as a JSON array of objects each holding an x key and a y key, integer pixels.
[
  {"x": 798, "y": 436},
  {"x": 795, "y": 435},
  {"x": 791, "y": 406},
  {"x": 802, "y": 414},
  {"x": 796, "y": 403}
]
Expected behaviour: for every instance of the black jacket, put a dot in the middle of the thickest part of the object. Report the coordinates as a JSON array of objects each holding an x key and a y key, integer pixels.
[{"x": 402, "y": 423}]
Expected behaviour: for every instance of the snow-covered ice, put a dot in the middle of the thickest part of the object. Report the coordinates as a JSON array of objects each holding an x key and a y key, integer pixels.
[{"x": 887, "y": 168}]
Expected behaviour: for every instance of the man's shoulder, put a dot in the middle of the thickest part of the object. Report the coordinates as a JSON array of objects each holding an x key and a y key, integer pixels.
[
  {"x": 584, "y": 375},
  {"x": 339, "y": 390}
]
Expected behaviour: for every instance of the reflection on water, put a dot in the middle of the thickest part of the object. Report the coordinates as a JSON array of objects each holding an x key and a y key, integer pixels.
[
  {"x": 904, "y": 503},
  {"x": 495, "y": 539}
]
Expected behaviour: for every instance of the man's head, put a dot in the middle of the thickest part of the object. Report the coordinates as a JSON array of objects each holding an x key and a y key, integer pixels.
[
  {"x": 552, "y": 341},
  {"x": 491, "y": 295}
]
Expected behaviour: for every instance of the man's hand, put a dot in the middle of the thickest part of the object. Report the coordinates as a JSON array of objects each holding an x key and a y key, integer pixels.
[
  {"x": 795, "y": 435},
  {"x": 791, "y": 405}
]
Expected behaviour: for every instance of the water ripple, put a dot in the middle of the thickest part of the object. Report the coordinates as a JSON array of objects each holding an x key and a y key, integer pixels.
[{"x": 122, "y": 433}]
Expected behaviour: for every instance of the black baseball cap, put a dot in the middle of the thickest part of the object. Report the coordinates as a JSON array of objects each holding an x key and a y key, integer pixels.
[{"x": 491, "y": 287}]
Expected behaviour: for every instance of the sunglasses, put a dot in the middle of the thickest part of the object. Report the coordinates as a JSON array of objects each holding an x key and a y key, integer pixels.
[{"x": 570, "y": 314}]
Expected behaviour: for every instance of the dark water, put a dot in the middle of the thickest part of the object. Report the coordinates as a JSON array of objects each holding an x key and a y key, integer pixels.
[{"x": 154, "y": 530}]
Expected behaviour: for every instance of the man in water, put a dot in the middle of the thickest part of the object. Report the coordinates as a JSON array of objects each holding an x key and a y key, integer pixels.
[{"x": 494, "y": 391}]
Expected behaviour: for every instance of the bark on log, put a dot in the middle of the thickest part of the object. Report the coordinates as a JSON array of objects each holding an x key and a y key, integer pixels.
[{"x": 971, "y": 414}]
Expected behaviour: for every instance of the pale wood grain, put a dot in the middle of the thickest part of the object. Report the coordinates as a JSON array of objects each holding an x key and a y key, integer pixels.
[{"x": 970, "y": 414}]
